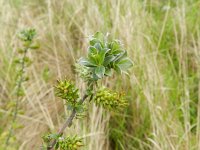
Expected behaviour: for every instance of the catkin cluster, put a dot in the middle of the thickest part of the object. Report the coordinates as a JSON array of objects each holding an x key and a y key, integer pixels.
[
  {"x": 110, "y": 100},
  {"x": 67, "y": 91},
  {"x": 70, "y": 143}
]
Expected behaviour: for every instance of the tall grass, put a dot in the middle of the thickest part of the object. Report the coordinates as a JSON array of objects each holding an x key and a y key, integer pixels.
[{"x": 163, "y": 40}]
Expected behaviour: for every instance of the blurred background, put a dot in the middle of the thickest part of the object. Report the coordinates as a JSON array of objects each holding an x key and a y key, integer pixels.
[{"x": 162, "y": 38}]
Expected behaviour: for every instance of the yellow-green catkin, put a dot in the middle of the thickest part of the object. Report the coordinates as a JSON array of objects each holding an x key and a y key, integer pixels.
[
  {"x": 66, "y": 90},
  {"x": 70, "y": 143},
  {"x": 110, "y": 100}
]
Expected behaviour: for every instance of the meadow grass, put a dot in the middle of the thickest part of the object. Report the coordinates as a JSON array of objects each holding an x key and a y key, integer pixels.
[{"x": 163, "y": 40}]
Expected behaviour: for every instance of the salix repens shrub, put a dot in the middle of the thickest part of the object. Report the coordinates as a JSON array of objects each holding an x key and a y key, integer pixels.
[
  {"x": 104, "y": 56},
  {"x": 22, "y": 61}
]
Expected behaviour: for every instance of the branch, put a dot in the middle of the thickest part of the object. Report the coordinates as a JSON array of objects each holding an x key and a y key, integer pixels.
[
  {"x": 67, "y": 123},
  {"x": 18, "y": 87}
]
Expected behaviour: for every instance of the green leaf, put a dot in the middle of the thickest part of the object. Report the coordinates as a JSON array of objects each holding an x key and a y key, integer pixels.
[
  {"x": 117, "y": 52},
  {"x": 27, "y": 34},
  {"x": 21, "y": 50},
  {"x": 93, "y": 55},
  {"x": 99, "y": 36},
  {"x": 92, "y": 50},
  {"x": 20, "y": 92},
  {"x": 108, "y": 59},
  {"x": 106, "y": 50},
  {"x": 46, "y": 74},
  {"x": 115, "y": 45},
  {"x": 17, "y": 61},
  {"x": 120, "y": 56},
  {"x": 27, "y": 60},
  {"x": 108, "y": 72},
  {"x": 101, "y": 57},
  {"x": 79, "y": 108},
  {"x": 54, "y": 136},
  {"x": 94, "y": 59},
  {"x": 57, "y": 145},
  {"x": 35, "y": 45},
  {"x": 93, "y": 41},
  {"x": 99, "y": 71},
  {"x": 97, "y": 59},
  {"x": 98, "y": 46},
  {"x": 125, "y": 64},
  {"x": 117, "y": 69},
  {"x": 86, "y": 62},
  {"x": 95, "y": 77}
]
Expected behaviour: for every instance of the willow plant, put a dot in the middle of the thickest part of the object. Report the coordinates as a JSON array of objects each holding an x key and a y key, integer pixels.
[
  {"x": 104, "y": 57},
  {"x": 22, "y": 61}
]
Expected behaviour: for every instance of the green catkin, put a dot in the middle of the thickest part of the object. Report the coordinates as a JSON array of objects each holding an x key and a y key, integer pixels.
[{"x": 110, "y": 100}]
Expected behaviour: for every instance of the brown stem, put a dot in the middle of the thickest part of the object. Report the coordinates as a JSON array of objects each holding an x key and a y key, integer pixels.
[{"x": 67, "y": 123}]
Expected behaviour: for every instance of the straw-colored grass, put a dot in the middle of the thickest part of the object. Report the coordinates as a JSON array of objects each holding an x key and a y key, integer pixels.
[{"x": 163, "y": 40}]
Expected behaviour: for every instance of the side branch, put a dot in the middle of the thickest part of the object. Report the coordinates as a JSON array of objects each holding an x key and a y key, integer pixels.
[{"x": 67, "y": 123}]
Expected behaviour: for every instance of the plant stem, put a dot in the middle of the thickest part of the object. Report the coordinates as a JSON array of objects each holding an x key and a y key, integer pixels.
[
  {"x": 67, "y": 123},
  {"x": 18, "y": 88}
]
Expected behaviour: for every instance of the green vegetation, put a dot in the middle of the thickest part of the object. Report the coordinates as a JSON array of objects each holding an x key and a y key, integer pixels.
[
  {"x": 21, "y": 63},
  {"x": 103, "y": 56},
  {"x": 162, "y": 38}
]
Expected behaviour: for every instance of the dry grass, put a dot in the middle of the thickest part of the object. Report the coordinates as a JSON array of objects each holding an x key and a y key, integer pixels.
[{"x": 163, "y": 88}]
